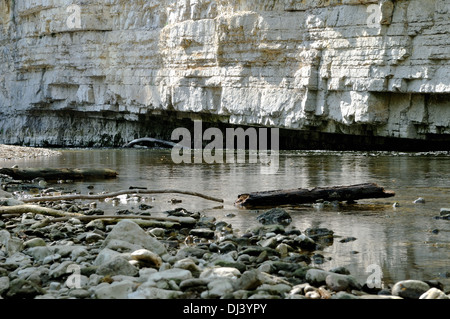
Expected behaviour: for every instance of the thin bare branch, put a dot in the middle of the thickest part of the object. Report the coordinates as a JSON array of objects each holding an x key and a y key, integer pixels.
[{"x": 118, "y": 193}]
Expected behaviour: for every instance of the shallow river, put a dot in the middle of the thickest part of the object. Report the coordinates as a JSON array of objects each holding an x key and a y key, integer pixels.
[{"x": 405, "y": 241}]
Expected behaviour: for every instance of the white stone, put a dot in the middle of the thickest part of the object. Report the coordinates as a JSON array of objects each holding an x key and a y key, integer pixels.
[
  {"x": 434, "y": 293},
  {"x": 220, "y": 272},
  {"x": 146, "y": 256}
]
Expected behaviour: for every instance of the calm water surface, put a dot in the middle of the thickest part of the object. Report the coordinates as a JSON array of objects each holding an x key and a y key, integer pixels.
[{"x": 406, "y": 242}]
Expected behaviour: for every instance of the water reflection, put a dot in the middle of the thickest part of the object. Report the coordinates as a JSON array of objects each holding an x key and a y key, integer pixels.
[{"x": 401, "y": 240}]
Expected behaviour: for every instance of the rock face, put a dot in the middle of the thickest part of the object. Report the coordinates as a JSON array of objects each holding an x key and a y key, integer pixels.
[{"x": 97, "y": 74}]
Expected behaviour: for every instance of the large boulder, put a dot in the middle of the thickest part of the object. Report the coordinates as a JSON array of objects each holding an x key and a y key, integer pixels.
[
  {"x": 410, "y": 289},
  {"x": 133, "y": 236}
]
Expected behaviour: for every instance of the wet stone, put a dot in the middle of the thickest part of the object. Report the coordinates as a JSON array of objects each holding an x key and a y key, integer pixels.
[
  {"x": 318, "y": 259},
  {"x": 317, "y": 277},
  {"x": 340, "y": 270},
  {"x": 275, "y": 216},
  {"x": 410, "y": 289},
  {"x": 226, "y": 247},
  {"x": 338, "y": 282},
  {"x": 304, "y": 242},
  {"x": 322, "y": 234},
  {"x": 347, "y": 239}
]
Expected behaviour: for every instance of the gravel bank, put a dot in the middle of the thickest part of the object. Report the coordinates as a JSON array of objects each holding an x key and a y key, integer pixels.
[
  {"x": 190, "y": 257},
  {"x": 8, "y": 152}
]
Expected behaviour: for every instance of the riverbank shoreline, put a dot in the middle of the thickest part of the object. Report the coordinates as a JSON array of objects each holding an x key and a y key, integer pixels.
[
  {"x": 68, "y": 249},
  {"x": 12, "y": 152},
  {"x": 83, "y": 254}
]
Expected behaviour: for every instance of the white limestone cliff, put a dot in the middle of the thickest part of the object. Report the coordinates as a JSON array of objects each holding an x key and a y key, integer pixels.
[{"x": 93, "y": 77}]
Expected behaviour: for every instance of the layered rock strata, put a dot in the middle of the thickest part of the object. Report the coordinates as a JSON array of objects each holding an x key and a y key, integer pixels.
[{"x": 101, "y": 73}]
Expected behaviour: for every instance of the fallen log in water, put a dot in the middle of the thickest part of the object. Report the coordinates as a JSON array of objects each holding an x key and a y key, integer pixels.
[
  {"x": 305, "y": 196},
  {"x": 58, "y": 173}
]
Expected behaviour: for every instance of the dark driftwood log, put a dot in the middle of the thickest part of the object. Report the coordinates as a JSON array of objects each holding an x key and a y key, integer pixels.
[
  {"x": 58, "y": 173},
  {"x": 305, "y": 196}
]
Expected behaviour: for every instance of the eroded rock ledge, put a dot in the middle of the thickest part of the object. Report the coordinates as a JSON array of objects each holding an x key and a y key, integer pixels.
[{"x": 314, "y": 67}]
